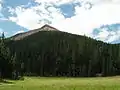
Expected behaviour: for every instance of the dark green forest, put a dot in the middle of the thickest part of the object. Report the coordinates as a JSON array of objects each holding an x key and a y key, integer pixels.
[{"x": 56, "y": 53}]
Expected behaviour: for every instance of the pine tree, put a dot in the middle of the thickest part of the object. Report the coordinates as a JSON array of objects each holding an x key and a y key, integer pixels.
[
  {"x": 5, "y": 59},
  {"x": 5, "y": 65}
]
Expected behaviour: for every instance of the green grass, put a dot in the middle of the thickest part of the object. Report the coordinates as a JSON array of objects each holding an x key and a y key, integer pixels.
[{"x": 43, "y": 83}]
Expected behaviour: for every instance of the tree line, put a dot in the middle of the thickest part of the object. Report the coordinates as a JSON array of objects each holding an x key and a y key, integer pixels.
[
  {"x": 8, "y": 62},
  {"x": 58, "y": 54},
  {"x": 55, "y": 53}
]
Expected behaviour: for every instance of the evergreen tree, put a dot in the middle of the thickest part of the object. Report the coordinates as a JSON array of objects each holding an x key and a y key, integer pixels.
[{"x": 5, "y": 65}]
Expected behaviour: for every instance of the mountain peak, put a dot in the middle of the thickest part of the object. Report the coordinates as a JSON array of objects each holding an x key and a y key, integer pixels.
[{"x": 47, "y": 27}]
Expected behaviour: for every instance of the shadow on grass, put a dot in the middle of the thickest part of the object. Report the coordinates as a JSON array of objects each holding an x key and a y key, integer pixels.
[{"x": 5, "y": 82}]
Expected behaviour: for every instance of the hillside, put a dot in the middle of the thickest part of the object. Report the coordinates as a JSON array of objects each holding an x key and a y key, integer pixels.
[
  {"x": 23, "y": 35},
  {"x": 50, "y": 52}
]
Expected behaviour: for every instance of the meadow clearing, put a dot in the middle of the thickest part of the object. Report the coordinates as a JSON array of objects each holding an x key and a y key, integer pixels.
[{"x": 63, "y": 83}]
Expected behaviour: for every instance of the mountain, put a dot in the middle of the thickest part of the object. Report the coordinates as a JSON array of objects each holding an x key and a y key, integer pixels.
[
  {"x": 23, "y": 35},
  {"x": 107, "y": 33},
  {"x": 49, "y": 52}
]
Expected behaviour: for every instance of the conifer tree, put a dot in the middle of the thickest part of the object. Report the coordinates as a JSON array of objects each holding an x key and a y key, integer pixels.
[{"x": 5, "y": 65}]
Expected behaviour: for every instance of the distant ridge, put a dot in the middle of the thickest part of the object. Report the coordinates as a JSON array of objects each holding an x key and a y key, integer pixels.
[{"x": 46, "y": 27}]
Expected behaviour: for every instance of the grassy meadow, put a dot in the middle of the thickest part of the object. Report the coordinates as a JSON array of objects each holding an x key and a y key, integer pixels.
[{"x": 54, "y": 83}]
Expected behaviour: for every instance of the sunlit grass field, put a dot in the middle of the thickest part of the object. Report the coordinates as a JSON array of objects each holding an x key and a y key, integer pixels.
[{"x": 54, "y": 83}]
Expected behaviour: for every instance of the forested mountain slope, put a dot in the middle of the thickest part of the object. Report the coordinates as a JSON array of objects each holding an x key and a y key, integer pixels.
[{"x": 55, "y": 53}]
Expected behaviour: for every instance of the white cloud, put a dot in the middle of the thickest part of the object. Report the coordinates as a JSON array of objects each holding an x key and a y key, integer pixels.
[
  {"x": 35, "y": 17},
  {"x": 28, "y": 19},
  {"x": 85, "y": 20},
  {"x": 108, "y": 36},
  {"x": 103, "y": 35},
  {"x": 57, "y": 2}
]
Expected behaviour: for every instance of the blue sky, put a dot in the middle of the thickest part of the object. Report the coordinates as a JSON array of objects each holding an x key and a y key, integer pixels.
[{"x": 99, "y": 19}]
